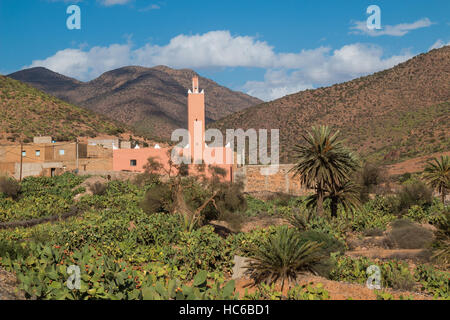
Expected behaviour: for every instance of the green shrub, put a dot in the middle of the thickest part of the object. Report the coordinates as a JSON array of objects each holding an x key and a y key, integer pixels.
[
  {"x": 433, "y": 281},
  {"x": 414, "y": 193},
  {"x": 329, "y": 244},
  {"x": 43, "y": 275},
  {"x": 201, "y": 249},
  {"x": 282, "y": 257},
  {"x": 9, "y": 187},
  {"x": 394, "y": 274},
  {"x": 157, "y": 199},
  {"x": 308, "y": 292},
  {"x": 97, "y": 188}
]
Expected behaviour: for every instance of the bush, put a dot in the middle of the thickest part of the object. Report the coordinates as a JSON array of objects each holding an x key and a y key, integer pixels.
[
  {"x": 97, "y": 188},
  {"x": 408, "y": 235},
  {"x": 433, "y": 281},
  {"x": 157, "y": 199},
  {"x": 414, "y": 193},
  {"x": 9, "y": 186},
  {"x": 371, "y": 178},
  {"x": 329, "y": 245},
  {"x": 394, "y": 274},
  {"x": 280, "y": 198},
  {"x": 282, "y": 256}
]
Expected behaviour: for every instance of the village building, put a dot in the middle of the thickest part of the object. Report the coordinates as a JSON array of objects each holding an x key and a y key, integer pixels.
[
  {"x": 134, "y": 160},
  {"x": 106, "y": 155}
]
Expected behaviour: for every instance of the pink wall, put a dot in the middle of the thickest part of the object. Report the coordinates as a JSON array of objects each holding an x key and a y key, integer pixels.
[{"x": 122, "y": 158}]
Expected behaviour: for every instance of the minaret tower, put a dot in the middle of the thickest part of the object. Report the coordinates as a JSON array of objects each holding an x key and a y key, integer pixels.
[{"x": 196, "y": 120}]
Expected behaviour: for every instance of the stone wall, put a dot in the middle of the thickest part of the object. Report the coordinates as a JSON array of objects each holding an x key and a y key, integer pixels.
[{"x": 281, "y": 181}]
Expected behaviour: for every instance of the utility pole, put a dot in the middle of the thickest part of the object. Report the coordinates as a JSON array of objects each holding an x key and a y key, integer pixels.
[
  {"x": 78, "y": 169},
  {"x": 21, "y": 160}
]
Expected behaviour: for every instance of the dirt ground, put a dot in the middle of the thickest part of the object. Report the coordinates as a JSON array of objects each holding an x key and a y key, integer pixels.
[
  {"x": 8, "y": 287},
  {"x": 337, "y": 290},
  {"x": 412, "y": 165}
]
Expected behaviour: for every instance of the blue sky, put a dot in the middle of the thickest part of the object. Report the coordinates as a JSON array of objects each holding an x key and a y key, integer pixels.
[{"x": 265, "y": 48}]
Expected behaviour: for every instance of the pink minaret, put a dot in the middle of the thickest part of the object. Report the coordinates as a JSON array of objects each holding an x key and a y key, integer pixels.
[{"x": 196, "y": 120}]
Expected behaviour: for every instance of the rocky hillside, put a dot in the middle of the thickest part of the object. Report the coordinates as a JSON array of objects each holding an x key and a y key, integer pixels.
[
  {"x": 26, "y": 112},
  {"x": 392, "y": 115},
  {"x": 152, "y": 100}
]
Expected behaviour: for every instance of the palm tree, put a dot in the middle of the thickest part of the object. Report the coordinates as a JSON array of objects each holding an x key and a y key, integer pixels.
[
  {"x": 346, "y": 195},
  {"x": 323, "y": 162},
  {"x": 282, "y": 256},
  {"x": 437, "y": 175}
]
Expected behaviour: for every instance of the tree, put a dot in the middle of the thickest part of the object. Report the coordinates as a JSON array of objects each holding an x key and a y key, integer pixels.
[
  {"x": 346, "y": 195},
  {"x": 437, "y": 175},
  {"x": 175, "y": 191},
  {"x": 371, "y": 177},
  {"x": 323, "y": 162}
]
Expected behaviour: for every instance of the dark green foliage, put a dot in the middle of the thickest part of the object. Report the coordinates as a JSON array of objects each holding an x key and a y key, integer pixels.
[
  {"x": 301, "y": 218},
  {"x": 433, "y": 281},
  {"x": 329, "y": 245},
  {"x": 415, "y": 193},
  {"x": 394, "y": 274},
  {"x": 157, "y": 199},
  {"x": 408, "y": 235},
  {"x": 97, "y": 188},
  {"x": 12, "y": 249},
  {"x": 280, "y": 198},
  {"x": 345, "y": 196},
  {"x": 370, "y": 177},
  {"x": 282, "y": 257},
  {"x": 437, "y": 175},
  {"x": 9, "y": 187},
  {"x": 322, "y": 162},
  {"x": 442, "y": 243}
]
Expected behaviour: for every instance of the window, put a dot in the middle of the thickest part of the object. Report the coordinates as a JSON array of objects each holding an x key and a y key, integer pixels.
[
  {"x": 133, "y": 163},
  {"x": 24, "y": 153},
  {"x": 61, "y": 152},
  {"x": 38, "y": 153}
]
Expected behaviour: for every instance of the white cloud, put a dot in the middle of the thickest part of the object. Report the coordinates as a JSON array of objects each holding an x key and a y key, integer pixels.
[
  {"x": 150, "y": 7},
  {"x": 86, "y": 65},
  {"x": 439, "y": 44},
  {"x": 215, "y": 48},
  {"x": 113, "y": 2},
  {"x": 346, "y": 63},
  {"x": 285, "y": 72},
  {"x": 397, "y": 30}
]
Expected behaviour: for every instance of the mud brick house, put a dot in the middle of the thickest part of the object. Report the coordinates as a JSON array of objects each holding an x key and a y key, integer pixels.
[{"x": 46, "y": 157}]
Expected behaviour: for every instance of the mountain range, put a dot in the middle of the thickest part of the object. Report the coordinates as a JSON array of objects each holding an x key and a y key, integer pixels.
[
  {"x": 151, "y": 100},
  {"x": 392, "y": 115},
  {"x": 26, "y": 112}
]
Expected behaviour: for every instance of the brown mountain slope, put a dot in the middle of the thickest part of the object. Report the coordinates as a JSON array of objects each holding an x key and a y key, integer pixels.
[
  {"x": 394, "y": 114},
  {"x": 153, "y": 100},
  {"x": 26, "y": 112}
]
